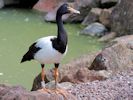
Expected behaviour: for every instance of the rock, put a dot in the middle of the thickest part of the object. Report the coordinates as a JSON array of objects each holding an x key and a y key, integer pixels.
[
  {"x": 37, "y": 82},
  {"x": 118, "y": 87},
  {"x": 92, "y": 17},
  {"x": 94, "y": 29},
  {"x": 51, "y": 15},
  {"x": 1, "y": 3},
  {"x": 74, "y": 73},
  {"x": 104, "y": 17},
  {"x": 96, "y": 11},
  {"x": 130, "y": 45},
  {"x": 63, "y": 85},
  {"x": 116, "y": 56},
  {"x": 84, "y": 6},
  {"x": 98, "y": 63},
  {"x": 83, "y": 75},
  {"x": 108, "y": 3},
  {"x": 121, "y": 18},
  {"x": 47, "y": 5},
  {"x": 108, "y": 37},
  {"x": 19, "y": 93},
  {"x": 75, "y": 65}
]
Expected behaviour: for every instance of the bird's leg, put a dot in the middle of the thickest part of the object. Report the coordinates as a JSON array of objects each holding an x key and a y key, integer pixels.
[
  {"x": 43, "y": 76},
  {"x": 57, "y": 90},
  {"x": 43, "y": 80},
  {"x": 56, "y": 74}
]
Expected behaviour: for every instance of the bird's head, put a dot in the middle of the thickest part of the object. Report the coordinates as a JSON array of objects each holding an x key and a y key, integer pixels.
[{"x": 65, "y": 8}]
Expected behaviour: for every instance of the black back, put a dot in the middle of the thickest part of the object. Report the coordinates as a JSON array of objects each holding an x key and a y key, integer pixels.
[{"x": 58, "y": 45}]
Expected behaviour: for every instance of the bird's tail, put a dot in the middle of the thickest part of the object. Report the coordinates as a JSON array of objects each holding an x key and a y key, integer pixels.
[
  {"x": 23, "y": 60},
  {"x": 26, "y": 57}
]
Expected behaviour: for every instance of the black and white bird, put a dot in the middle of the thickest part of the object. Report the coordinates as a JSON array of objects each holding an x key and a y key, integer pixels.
[{"x": 51, "y": 49}]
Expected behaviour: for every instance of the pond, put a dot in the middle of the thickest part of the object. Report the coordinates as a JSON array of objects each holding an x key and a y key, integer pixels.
[{"x": 18, "y": 30}]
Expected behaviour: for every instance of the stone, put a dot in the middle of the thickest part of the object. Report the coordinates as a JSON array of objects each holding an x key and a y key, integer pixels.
[
  {"x": 118, "y": 87},
  {"x": 37, "y": 82},
  {"x": 72, "y": 73},
  {"x": 130, "y": 45},
  {"x": 94, "y": 29},
  {"x": 51, "y": 16},
  {"x": 96, "y": 11},
  {"x": 63, "y": 85},
  {"x": 104, "y": 17},
  {"x": 98, "y": 63},
  {"x": 108, "y": 37},
  {"x": 109, "y": 1},
  {"x": 19, "y": 93},
  {"x": 93, "y": 16},
  {"x": 74, "y": 66},
  {"x": 47, "y": 5},
  {"x": 1, "y": 4},
  {"x": 116, "y": 56},
  {"x": 121, "y": 18},
  {"x": 84, "y": 6},
  {"x": 83, "y": 75}
]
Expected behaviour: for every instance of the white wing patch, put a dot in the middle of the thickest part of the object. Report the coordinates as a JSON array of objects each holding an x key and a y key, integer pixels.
[{"x": 47, "y": 54}]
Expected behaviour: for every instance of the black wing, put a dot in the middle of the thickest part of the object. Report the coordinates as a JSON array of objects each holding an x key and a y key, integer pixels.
[{"x": 31, "y": 52}]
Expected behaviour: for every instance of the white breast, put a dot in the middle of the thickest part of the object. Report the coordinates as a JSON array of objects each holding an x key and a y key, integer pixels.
[{"x": 47, "y": 54}]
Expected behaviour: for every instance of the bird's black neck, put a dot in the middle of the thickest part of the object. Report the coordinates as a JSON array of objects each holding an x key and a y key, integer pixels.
[{"x": 62, "y": 35}]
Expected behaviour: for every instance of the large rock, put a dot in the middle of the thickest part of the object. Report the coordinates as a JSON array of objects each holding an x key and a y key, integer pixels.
[
  {"x": 51, "y": 15},
  {"x": 94, "y": 29},
  {"x": 108, "y": 37},
  {"x": 74, "y": 72},
  {"x": 47, "y": 5},
  {"x": 93, "y": 16},
  {"x": 118, "y": 55},
  {"x": 118, "y": 87},
  {"x": 37, "y": 82},
  {"x": 122, "y": 18},
  {"x": 1, "y": 3},
  {"x": 19, "y": 93},
  {"x": 104, "y": 17},
  {"x": 83, "y": 75},
  {"x": 84, "y": 6}
]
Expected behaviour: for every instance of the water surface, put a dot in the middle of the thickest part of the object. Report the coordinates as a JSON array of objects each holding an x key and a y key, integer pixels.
[{"x": 18, "y": 30}]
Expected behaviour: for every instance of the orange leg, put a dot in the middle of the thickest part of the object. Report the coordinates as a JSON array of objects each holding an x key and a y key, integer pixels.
[
  {"x": 42, "y": 77},
  {"x": 56, "y": 74},
  {"x": 43, "y": 80},
  {"x": 58, "y": 90}
]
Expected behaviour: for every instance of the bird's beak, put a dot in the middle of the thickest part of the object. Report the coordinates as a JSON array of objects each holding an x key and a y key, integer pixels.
[{"x": 72, "y": 10}]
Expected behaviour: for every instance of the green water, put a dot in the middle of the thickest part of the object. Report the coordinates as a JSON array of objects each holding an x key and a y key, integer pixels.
[{"x": 18, "y": 30}]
